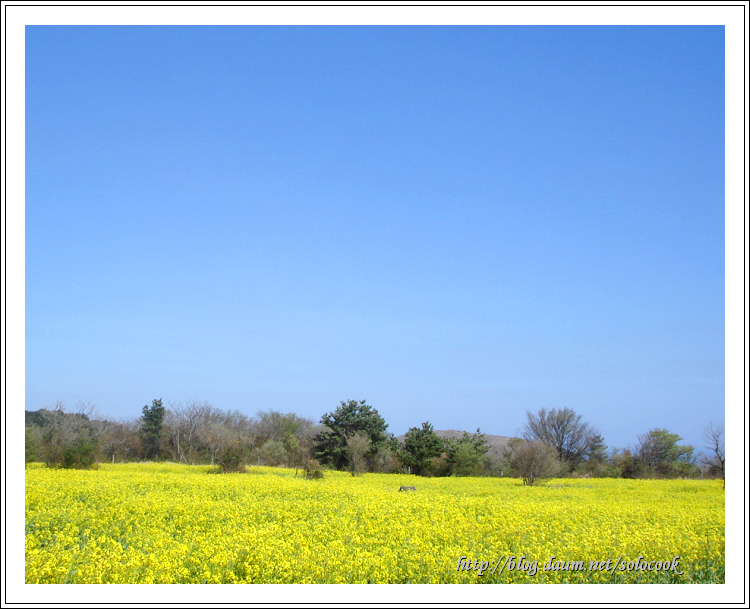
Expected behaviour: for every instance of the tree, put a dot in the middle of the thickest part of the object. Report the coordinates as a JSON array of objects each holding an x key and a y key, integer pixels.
[
  {"x": 272, "y": 453},
  {"x": 466, "y": 455},
  {"x": 356, "y": 449},
  {"x": 350, "y": 418},
  {"x": 185, "y": 426},
  {"x": 152, "y": 423},
  {"x": 420, "y": 445},
  {"x": 596, "y": 449},
  {"x": 624, "y": 463},
  {"x": 659, "y": 453},
  {"x": 300, "y": 448},
  {"x": 495, "y": 462},
  {"x": 596, "y": 462},
  {"x": 33, "y": 440},
  {"x": 532, "y": 460},
  {"x": 714, "y": 437},
  {"x": 293, "y": 450},
  {"x": 231, "y": 441},
  {"x": 385, "y": 460},
  {"x": 68, "y": 440},
  {"x": 117, "y": 439},
  {"x": 563, "y": 429}
]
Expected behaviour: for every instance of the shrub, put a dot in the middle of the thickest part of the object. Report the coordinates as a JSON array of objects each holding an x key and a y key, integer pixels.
[
  {"x": 533, "y": 460},
  {"x": 68, "y": 440},
  {"x": 232, "y": 457},
  {"x": 312, "y": 469}
]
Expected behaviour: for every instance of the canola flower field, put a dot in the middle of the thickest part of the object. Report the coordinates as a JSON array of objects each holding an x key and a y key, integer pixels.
[{"x": 170, "y": 523}]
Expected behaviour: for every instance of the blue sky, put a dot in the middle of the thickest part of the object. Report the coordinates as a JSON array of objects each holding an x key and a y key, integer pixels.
[{"x": 458, "y": 224}]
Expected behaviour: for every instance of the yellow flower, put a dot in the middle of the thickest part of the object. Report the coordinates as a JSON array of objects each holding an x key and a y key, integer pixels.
[{"x": 169, "y": 523}]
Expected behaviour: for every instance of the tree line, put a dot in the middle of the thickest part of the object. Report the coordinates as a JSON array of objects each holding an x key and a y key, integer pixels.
[{"x": 354, "y": 437}]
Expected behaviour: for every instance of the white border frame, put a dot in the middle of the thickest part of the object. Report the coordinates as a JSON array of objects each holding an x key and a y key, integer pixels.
[{"x": 730, "y": 14}]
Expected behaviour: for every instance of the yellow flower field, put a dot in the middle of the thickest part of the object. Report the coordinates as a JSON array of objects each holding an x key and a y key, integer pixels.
[{"x": 168, "y": 523}]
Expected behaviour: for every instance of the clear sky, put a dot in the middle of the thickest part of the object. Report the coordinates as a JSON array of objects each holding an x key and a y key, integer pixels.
[{"x": 458, "y": 224}]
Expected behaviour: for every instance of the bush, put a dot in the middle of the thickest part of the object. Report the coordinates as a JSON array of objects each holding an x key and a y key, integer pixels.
[
  {"x": 272, "y": 453},
  {"x": 232, "y": 457},
  {"x": 419, "y": 447},
  {"x": 312, "y": 469},
  {"x": 32, "y": 443},
  {"x": 385, "y": 461},
  {"x": 437, "y": 467},
  {"x": 533, "y": 460},
  {"x": 81, "y": 454},
  {"x": 350, "y": 418},
  {"x": 67, "y": 440}
]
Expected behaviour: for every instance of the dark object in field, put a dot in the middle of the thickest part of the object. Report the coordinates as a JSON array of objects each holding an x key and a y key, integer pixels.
[
  {"x": 407, "y": 488},
  {"x": 312, "y": 470}
]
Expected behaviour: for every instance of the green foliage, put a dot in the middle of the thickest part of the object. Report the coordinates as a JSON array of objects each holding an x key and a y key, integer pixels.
[
  {"x": 350, "y": 418},
  {"x": 232, "y": 456},
  {"x": 466, "y": 455},
  {"x": 274, "y": 425},
  {"x": 437, "y": 467},
  {"x": 465, "y": 460},
  {"x": 66, "y": 440},
  {"x": 312, "y": 469},
  {"x": 352, "y": 437},
  {"x": 35, "y": 418},
  {"x": 386, "y": 460},
  {"x": 152, "y": 423},
  {"x": 596, "y": 449},
  {"x": 419, "y": 447},
  {"x": 31, "y": 443},
  {"x": 596, "y": 463},
  {"x": 659, "y": 454},
  {"x": 289, "y": 431},
  {"x": 495, "y": 463},
  {"x": 273, "y": 453},
  {"x": 625, "y": 464},
  {"x": 81, "y": 453},
  {"x": 228, "y": 440},
  {"x": 293, "y": 449}
]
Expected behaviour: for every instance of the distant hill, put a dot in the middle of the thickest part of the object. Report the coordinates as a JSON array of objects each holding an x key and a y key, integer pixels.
[{"x": 494, "y": 443}]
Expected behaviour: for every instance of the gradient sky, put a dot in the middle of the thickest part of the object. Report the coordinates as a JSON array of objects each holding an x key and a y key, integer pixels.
[{"x": 458, "y": 224}]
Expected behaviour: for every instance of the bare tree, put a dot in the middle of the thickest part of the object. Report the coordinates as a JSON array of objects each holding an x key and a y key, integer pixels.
[
  {"x": 564, "y": 430},
  {"x": 357, "y": 446},
  {"x": 186, "y": 429},
  {"x": 231, "y": 440},
  {"x": 386, "y": 460},
  {"x": 118, "y": 439},
  {"x": 532, "y": 460},
  {"x": 69, "y": 440},
  {"x": 714, "y": 437},
  {"x": 495, "y": 462},
  {"x": 274, "y": 425},
  {"x": 300, "y": 446}
]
